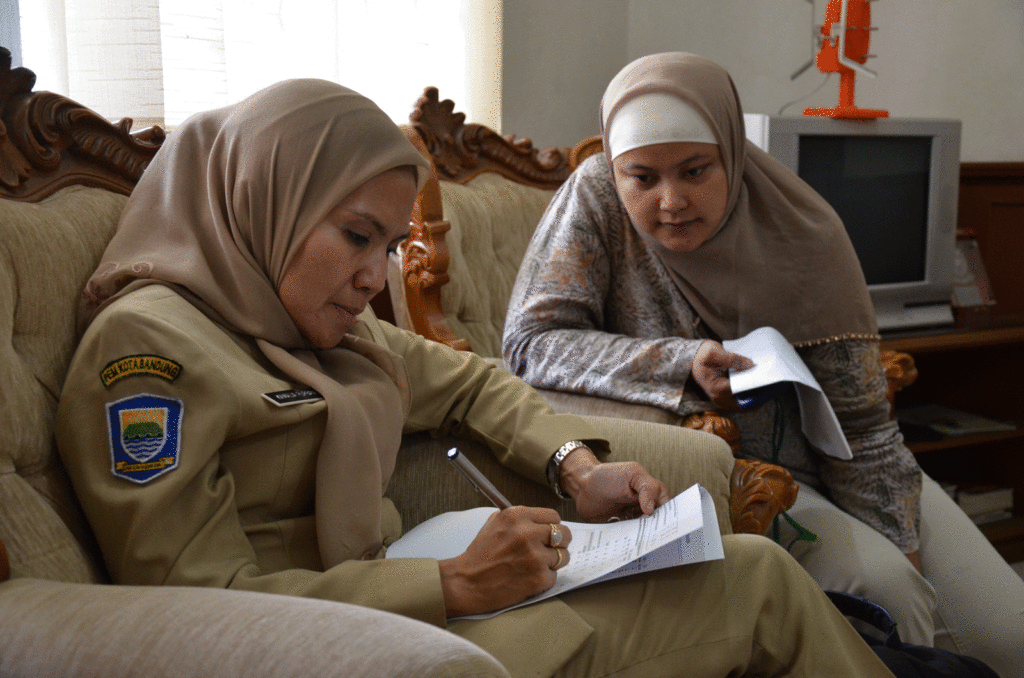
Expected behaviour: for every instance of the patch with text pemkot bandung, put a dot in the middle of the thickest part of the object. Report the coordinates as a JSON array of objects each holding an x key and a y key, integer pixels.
[
  {"x": 145, "y": 436},
  {"x": 139, "y": 365}
]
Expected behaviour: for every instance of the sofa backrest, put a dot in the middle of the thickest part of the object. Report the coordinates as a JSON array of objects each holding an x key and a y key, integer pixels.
[
  {"x": 65, "y": 173},
  {"x": 47, "y": 251},
  {"x": 492, "y": 220},
  {"x": 472, "y": 224}
]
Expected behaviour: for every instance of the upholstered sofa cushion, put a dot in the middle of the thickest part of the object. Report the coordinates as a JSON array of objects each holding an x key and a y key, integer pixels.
[
  {"x": 47, "y": 251},
  {"x": 492, "y": 221},
  {"x": 83, "y": 631}
]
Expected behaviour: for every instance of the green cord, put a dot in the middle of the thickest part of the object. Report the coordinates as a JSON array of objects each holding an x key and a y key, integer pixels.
[
  {"x": 778, "y": 432},
  {"x": 802, "y": 533}
]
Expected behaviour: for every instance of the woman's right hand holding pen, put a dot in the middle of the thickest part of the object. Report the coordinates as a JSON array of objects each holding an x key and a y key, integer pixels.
[{"x": 515, "y": 555}]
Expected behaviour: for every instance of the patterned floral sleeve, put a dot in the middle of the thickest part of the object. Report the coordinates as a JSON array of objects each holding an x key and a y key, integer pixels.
[
  {"x": 881, "y": 485},
  {"x": 564, "y": 331}
]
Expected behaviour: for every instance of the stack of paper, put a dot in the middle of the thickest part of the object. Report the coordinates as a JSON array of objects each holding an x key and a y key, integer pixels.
[
  {"x": 775, "y": 362},
  {"x": 684, "y": 530}
]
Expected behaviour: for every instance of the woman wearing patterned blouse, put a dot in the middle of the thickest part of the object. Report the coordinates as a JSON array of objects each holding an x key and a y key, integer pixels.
[{"x": 682, "y": 235}]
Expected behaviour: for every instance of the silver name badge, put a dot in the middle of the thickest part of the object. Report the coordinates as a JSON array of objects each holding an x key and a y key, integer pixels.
[{"x": 293, "y": 397}]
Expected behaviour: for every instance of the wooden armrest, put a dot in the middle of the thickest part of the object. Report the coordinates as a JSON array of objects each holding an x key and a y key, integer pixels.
[
  {"x": 718, "y": 424},
  {"x": 5, "y": 564},
  {"x": 759, "y": 491},
  {"x": 900, "y": 372}
]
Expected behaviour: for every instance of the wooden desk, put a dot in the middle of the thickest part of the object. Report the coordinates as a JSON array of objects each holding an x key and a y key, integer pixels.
[{"x": 982, "y": 372}]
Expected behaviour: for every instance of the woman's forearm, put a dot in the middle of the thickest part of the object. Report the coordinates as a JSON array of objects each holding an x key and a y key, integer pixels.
[
  {"x": 881, "y": 485},
  {"x": 643, "y": 371}
]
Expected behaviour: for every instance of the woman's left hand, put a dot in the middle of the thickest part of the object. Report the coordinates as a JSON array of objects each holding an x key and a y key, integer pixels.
[
  {"x": 710, "y": 370},
  {"x": 617, "y": 490}
]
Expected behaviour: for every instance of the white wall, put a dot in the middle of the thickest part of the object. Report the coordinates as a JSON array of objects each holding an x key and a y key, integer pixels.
[
  {"x": 558, "y": 56},
  {"x": 955, "y": 58},
  {"x": 10, "y": 30}
]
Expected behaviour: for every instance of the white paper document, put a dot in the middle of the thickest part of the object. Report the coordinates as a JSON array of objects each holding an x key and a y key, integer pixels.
[
  {"x": 775, "y": 360},
  {"x": 684, "y": 530}
]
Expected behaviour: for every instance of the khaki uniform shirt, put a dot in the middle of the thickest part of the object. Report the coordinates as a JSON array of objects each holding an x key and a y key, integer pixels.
[{"x": 189, "y": 476}]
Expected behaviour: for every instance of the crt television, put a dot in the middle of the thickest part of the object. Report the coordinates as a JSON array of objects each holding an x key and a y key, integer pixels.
[{"x": 894, "y": 182}]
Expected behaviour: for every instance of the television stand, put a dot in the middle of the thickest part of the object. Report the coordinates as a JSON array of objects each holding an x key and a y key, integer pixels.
[
  {"x": 918, "y": 315},
  {"x": 980, "y": 371}
]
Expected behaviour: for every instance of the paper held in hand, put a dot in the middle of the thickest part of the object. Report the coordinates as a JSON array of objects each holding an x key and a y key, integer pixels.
[
  {"x": 776, "y": 362},
  {"x": 683, "y": 531}
]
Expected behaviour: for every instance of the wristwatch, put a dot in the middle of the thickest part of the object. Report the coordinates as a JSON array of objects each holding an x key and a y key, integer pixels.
[{"x": 556, "y": 463}]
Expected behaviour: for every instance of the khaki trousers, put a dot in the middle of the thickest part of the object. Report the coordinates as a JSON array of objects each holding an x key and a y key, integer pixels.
[{"x": 756, "y": 613}]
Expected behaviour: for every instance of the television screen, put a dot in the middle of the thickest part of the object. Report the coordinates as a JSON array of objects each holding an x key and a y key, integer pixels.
[
  {"x": 879, "y": 187},
  {"x": 894, "y": 182}
]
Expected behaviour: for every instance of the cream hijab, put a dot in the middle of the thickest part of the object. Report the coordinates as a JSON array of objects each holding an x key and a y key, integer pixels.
[
  {"x": 217, "y": 217},
  {"x": 780, "y": 257}
]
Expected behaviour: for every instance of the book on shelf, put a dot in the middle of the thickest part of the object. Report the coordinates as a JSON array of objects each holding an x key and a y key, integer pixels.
[
  {"x": 979, "y": 501},
  {"x": 991, "y": 517},
  {"x": 982, "y": 503},
  {"x": 934, "y": 422}
]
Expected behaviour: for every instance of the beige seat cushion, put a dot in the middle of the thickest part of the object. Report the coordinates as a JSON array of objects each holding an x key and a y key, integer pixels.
[
  {"x": 76, "y": 631},
  {"x": 47, "y": 251},
  {"x": 492, "y": 221}
]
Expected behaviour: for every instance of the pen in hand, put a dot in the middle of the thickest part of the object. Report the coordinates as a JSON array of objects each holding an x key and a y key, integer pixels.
[{"x": 481, "y": 483}]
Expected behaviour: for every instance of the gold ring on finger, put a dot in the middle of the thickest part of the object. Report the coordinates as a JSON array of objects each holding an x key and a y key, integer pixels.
[
  {"x": 558, "y": 552},
  {"x": 556, "y": 535}
]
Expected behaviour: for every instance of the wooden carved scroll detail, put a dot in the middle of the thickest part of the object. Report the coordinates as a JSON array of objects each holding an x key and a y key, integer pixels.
[
  {"x": 584, "y": 149},
  {"x": 425, "y": 257},
  {"x": 717, "y": 424},
  {"x": 49, "y": 142},
  {"x": 461, "y": 151},
  {"x": 900, "y": 372},
  {"x": 758, "y": 492}
]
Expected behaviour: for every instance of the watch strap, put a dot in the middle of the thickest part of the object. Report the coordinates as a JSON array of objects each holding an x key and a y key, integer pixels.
[{"x": 555, "y": 465}]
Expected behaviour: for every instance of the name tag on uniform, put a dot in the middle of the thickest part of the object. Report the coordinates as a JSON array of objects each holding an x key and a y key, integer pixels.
[{"x": 293, "y": 397}]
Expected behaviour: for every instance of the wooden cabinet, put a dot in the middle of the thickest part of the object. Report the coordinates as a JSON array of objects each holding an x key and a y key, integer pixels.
[{"x": 981, "y": 370}]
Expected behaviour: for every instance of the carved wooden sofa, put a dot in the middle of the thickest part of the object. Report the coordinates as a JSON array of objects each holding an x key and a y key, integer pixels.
[{"x": 472, "y": 224}]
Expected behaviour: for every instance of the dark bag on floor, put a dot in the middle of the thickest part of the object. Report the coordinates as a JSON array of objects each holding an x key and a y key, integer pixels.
[{"x": 903, "y": 659}]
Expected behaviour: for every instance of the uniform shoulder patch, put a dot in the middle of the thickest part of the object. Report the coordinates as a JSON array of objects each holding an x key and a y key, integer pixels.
[
  {"x": 145, "y": 436},
  {"x": 139, "y": 365}
]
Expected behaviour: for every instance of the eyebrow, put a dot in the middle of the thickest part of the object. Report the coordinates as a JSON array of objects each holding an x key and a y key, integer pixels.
[
  {"x": 379, "y": 227},
  {"x": 381, "y": 230},
  {"x": 692, "y": 159}
]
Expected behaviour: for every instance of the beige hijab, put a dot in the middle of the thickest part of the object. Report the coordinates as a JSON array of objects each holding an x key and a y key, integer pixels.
[
  {"x": 781, "y": 256},
  {"x": 217, "y": 217}
]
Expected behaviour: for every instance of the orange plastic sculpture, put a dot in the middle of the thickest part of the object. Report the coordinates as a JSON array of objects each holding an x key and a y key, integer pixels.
[{"x": 844, "y": 49}]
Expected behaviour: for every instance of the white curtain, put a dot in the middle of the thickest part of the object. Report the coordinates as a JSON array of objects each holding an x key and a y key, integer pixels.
[{"x": 159, "y": 61}]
